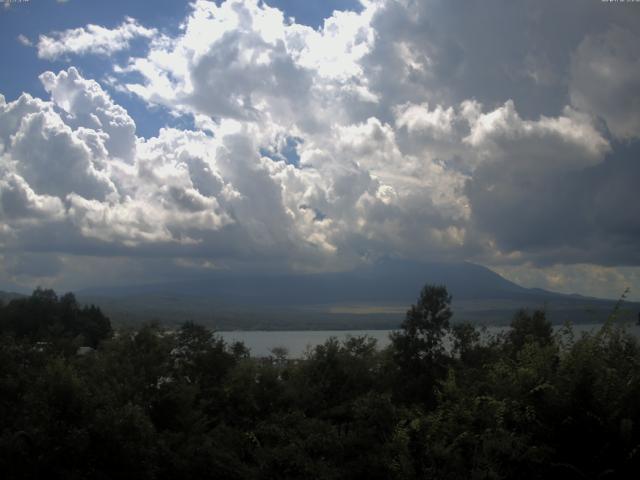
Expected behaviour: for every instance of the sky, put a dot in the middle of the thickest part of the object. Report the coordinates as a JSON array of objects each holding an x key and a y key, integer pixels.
[{"x": 141, "y": 144}]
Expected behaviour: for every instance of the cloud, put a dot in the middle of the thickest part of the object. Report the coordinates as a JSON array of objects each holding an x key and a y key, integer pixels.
[
  {"x": 41, "y": 266},
  {"x": 605, "y": 80},
  {"x": 55, "y": 160},
  {"x": 265, "y": 65},
  {"x": 574, "y": 216},
  {"x": 547, "y": 145},
  {"x": 59, "y": 165},
  {"x": 20, "y": 203},
  {"x": 92, "y": 39},
  {"x": 599, "y": 281},
  {"x": 418, "y": 119},
  {"x": 405, "y": 129},
  {"x": 24, "y": 40},
  {"x": 89, "y": 106}
]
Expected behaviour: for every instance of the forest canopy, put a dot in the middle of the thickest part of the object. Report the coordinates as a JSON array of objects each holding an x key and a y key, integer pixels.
[{"x": 149, "y": 403}]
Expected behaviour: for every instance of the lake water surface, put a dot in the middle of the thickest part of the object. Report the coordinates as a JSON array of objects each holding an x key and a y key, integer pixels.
[{"x": 297, "y": 342}]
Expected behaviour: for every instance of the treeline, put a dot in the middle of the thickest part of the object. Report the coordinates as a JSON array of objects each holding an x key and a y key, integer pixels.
[
  {"x": 61, "y": 321},
  {"x": 153, "y": 404}
]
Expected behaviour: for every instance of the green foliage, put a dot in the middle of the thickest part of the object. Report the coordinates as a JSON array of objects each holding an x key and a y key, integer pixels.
[
  {"x": 527, "y": 328},
  {"x": 441, "y": 402},
  {"x": 418, "y": 350},
  {"x": 45, "y": 317},
  {"x": 427, "y": 321}
]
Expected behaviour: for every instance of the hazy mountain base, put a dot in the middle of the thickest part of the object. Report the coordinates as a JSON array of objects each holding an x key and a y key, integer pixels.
[
  {"x": 173, "y": 310},
  {"x": 372, "y": 297}
]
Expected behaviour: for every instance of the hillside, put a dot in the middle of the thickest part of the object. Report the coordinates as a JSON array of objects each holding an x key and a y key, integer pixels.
[
  {"x": 370, "y": 297},
  {"x": 6, "y": 297}
]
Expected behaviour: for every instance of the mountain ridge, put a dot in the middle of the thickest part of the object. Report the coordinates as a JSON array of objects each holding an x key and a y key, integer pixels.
[{"x": 381, "y": 293}]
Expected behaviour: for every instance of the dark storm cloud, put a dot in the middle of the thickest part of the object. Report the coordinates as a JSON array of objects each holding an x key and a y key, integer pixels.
[
  {"x": 590, "y": 216},
  {"x": 490, "y": 51}
]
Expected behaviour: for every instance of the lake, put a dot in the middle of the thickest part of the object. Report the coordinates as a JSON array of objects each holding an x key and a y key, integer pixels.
[{"x": 297, "y": 342}]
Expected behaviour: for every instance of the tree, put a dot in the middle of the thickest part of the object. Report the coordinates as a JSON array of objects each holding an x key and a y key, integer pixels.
[
  {"x": 418, "y": 348},
  {"x": 45, "y": 316},
  {"x": 466, "y": 340},
  {"x": 526, "y": 328}
]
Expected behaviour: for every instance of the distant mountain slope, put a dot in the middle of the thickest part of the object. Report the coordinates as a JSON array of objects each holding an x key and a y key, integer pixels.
[
  {"x": 6, "y": 297},
  {"x": 368, "y": 297},
  {"x": 397, "y": 281}
]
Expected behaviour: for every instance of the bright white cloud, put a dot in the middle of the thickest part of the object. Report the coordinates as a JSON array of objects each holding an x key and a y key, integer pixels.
[
  {"x": 89, "y": 106},
  {"x": 92, "y": 39},
  {"x": 21, "y": 204},
  {"x": 54, "y": 160},
  {"x": 265, "y": 66},
  {"x": 418, "y": 119},
  {"x": 549, "y": 145}
]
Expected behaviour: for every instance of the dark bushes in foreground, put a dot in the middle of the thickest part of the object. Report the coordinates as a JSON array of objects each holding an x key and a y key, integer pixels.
[{"x": 154, "y": 404}]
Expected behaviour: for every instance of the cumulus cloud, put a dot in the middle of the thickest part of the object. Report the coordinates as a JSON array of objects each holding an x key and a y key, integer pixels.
[
  {"x": 404, "y": 129},
  {"x": 526, "y": 172},
  {"x": 89, "y": 106},
  {"x": 549, "y": 145},
  {"x": 59, "y": 162},
  {"x": 21, "y": 204},
  {"x": 92, "y": 39},
  {"x": 265, "y": 65},
  {"x": 418, "y": 119},
  {"x": 54, "y": 159}
]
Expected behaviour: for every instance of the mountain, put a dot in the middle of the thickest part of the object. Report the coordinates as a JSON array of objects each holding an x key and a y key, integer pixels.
[
  {"x": 370, "y": 297},
  {"x": 6, "y": 297}
]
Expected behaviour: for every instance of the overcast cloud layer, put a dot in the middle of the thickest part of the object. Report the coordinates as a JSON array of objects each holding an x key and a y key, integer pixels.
[{"x": 504, "y": 133}]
